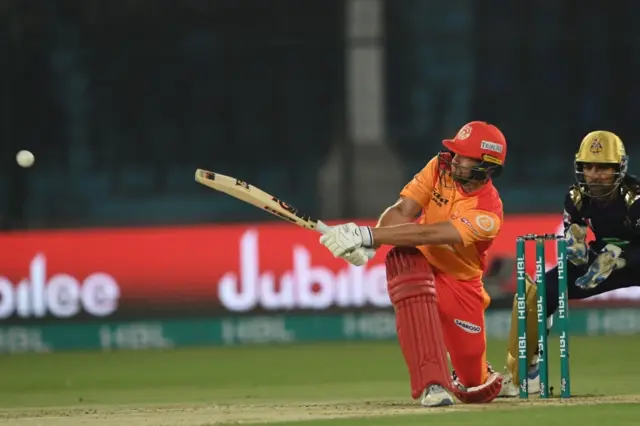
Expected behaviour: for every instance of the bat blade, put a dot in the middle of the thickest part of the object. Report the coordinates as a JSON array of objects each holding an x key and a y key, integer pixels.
[{"x": 257, "y": 197}]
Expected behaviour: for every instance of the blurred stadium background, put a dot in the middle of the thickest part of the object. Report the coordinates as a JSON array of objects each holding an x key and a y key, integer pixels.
[{"x": 107, "y": 241}]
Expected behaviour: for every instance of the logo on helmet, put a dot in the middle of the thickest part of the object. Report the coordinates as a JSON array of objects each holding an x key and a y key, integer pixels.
[
  {"x": 491, "y": 159},
  {"x": 596, "y": 146},
  {"x": 464, "y": 133},
  {"x": 491, "y": 146}
]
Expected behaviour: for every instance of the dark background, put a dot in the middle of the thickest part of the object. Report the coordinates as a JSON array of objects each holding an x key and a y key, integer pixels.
[{"x": 121, "y": 100}]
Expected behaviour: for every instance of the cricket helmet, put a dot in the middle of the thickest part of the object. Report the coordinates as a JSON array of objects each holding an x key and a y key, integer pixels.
[
  {"x": 601, "y": 147},
  {"x": 481, "y": 141}
]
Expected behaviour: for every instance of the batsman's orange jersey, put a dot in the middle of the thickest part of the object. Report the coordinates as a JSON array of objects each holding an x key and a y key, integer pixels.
[{"x": 477, "y": 216}]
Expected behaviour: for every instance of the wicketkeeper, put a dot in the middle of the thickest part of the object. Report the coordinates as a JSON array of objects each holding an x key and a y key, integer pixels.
[{"x": 607, "y": 200}]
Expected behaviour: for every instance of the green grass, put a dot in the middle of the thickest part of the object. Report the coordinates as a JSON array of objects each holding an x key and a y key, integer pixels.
[
  {"x": 624, "y": 414},
  {"x": 259, "y": 377}
]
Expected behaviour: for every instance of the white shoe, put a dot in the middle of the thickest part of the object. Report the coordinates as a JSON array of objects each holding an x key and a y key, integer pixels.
[
  {"x": 511, "y": 389},
  {"x": 436, "y": 396}
]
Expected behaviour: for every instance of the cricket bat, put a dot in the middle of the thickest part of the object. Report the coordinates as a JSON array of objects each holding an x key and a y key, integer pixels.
[{"x": 258, "y": 198}]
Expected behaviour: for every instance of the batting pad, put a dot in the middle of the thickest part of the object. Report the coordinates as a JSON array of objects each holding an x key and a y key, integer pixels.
[{"x": 411, "y": 287}]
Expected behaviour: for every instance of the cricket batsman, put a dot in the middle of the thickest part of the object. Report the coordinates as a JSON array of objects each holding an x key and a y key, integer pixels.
[
  {"x": 435, "y": 270},
  {"x": 606, "y": 200}
]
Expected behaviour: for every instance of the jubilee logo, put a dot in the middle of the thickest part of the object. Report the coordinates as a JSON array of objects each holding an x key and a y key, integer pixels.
[
  {"x": 304, "y": 286},
  {"x": 60, "y": 295}
]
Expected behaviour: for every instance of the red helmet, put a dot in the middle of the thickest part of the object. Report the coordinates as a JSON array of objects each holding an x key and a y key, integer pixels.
[{"x": 481, "y": 141}]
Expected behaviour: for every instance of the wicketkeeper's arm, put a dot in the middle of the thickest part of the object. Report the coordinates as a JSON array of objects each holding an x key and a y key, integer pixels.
[
  {"x": 628, "y": 243},
  {"x": 631, "y": 251},
  {"x": 575, "y": 232}
]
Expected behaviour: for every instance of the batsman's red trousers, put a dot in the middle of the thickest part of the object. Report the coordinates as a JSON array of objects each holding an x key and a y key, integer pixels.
[{"x": 462, "y": 305}]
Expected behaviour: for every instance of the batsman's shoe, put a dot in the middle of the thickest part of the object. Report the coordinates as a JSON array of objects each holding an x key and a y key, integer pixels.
[
  {"x": 485, "y": 393},
  {"x": 436, "y": 396},
  {"x": 510, "y": 389},
  {"x": 455, "y": 382}
]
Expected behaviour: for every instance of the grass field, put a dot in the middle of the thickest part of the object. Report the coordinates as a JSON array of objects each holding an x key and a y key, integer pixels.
[{"x": 338, "y": 384}]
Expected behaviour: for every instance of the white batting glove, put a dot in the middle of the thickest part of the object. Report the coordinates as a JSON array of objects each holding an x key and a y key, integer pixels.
[
  {"x": 577, "y": 252},
  {"x": 343, "y": 239},
  {"x": 359, "y": 256}
]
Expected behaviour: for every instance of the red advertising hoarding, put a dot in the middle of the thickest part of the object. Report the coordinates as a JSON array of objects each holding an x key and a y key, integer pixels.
[{"x": 209, "y": 270}]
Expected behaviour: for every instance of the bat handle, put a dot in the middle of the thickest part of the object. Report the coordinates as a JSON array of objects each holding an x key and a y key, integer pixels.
[{"x": 322, "y": 227}]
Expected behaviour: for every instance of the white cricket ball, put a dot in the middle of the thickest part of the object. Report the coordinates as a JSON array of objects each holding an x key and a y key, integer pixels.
[{"x": 25, "y": 158}]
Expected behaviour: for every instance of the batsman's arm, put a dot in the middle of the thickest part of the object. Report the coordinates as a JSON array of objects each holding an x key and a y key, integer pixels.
[
  {"x": 414, "y": 198},
  {"x": 405, "y": 210},
  {"x": 395, "y": 224},
  {"x": 414, "y": 234},
  {"x": 471, "y": 227}
]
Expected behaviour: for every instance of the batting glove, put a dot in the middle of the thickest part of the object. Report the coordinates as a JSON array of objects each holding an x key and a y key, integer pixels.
[
  {"x": 343, "y": 239},
  {"x": 359, "y": 256}
]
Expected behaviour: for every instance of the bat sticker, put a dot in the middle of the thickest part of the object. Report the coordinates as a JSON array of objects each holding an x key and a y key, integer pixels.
[
  {"x": 242, "y": 183},
  {"x": 292, "y": 210}
]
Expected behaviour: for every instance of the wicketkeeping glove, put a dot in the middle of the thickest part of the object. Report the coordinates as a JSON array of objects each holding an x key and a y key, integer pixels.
[
  {"x": 577, "y": 251},
  {"x": 607, "y": 261}
]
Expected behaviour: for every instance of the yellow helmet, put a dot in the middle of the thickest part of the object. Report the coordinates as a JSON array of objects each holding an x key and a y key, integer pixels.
[{"x": 601, "y": 147}]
